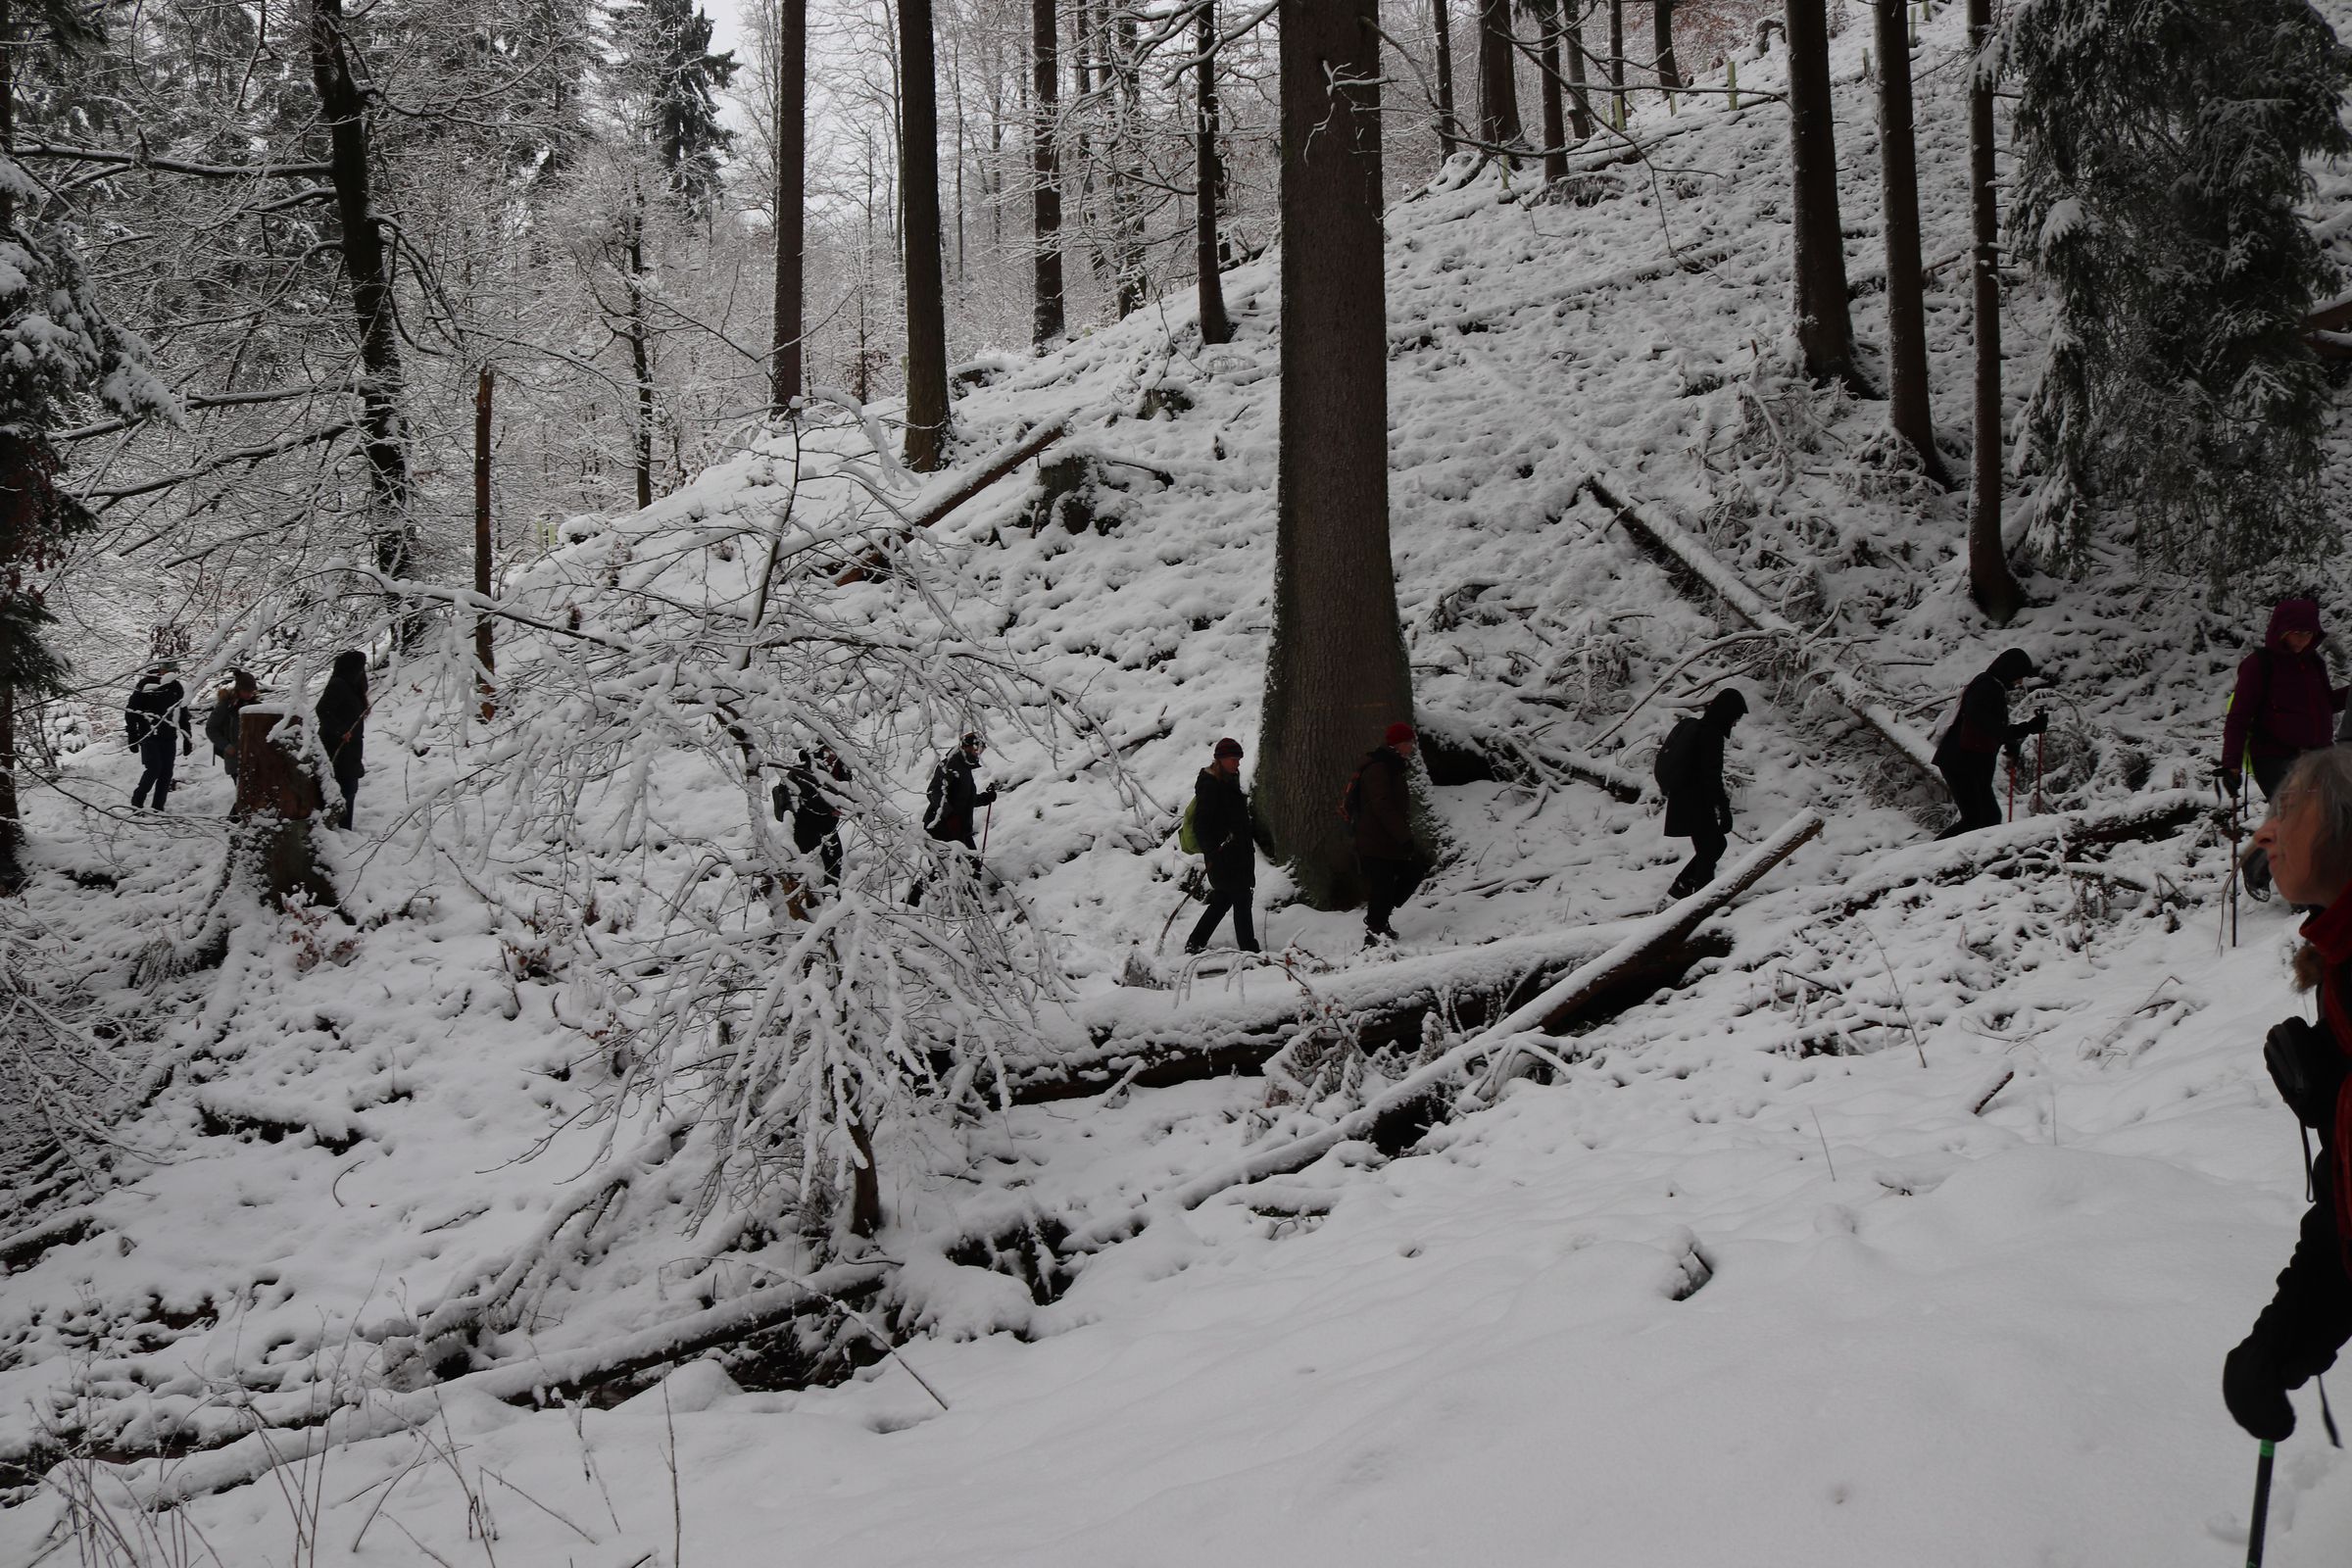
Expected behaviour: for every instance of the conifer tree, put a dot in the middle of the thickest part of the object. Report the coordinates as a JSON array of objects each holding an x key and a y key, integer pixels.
[{"x": 666, "y": 56}]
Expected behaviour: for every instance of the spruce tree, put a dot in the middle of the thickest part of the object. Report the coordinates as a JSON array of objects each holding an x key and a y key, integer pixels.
[
  {"x": 2162, "y": 150},
  {"x": 666, "y": 57}
]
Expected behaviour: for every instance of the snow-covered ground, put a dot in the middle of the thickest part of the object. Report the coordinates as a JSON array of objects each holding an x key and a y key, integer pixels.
[{"x": 1703, "y": 1296}]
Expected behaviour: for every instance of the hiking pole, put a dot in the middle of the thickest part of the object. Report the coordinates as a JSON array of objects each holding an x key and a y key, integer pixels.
[
  {"x": 2261, "y": 1504},
  {"x": 2037, "y": 740},
  {"x": 2012, "y": 789},
  {"x": 2237, "y": 808},
  {"x": 987, "y": 815}
]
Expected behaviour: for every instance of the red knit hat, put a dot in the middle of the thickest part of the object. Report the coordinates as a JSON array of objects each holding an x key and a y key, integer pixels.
[
  {"x": 1398, "y": 733},
  {"x": 1229, "y": 747}
]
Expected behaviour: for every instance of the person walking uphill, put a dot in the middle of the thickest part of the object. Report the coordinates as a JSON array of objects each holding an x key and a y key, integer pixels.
[
  {"x": 1230, "y": 836},
  {"x": 1379, "y": 806},
  {"x": 815, "y": 820},
  {"x": 342, "y": 715},
  {"x": 950, "y": 801},
  {"x": 2283, "y": 706},
  {"x": 2308, "y": 837},
  {"x": 157, "y": 707},
  {"x": 1982, "y": 732},
  {"x": 1690, "y": 770},
  {"x": 221, "y": 725}
]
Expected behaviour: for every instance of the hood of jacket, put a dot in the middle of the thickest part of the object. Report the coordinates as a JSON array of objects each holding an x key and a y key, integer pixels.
[
  {"x": 1727, "y": 708},
  {"x": 2014, "y": 663},
  {"x": 2293, "y": 614}
]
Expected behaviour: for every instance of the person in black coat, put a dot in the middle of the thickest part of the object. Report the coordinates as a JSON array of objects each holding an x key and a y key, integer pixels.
[
  {"x": 1697, "y": 806},
  {"x": 1980, "y": 733},
  {"x": 342, "y": 715},
  {"x": 951, "y": 803},
  {"x": 1229, "y": 835},
  {"x": 157, "y": 707},
  {"x": 815, "y": 820},
  {"x": 2308, "y": 838},
  {"x": 1391, "y": 862},
  {"x": 221, "y": 725}
]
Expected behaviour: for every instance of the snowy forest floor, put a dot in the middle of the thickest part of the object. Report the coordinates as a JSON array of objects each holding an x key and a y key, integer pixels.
[{"x": 1760, "y": 1275}]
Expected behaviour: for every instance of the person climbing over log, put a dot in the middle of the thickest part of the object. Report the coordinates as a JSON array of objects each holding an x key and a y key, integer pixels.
[
  {"x": 1980, "y": 733},
  {"x": 342, "y": 715},
  {"x": 1230, "y": 836},
  {"x": 2308, "y": 838},
  {"x": 952, "y": 800},
  {"x": 815, "y": 820},
  {"x": 1690, "y": 770},
  {"x": 157, "y": 707},
  {"x": 1379, "y": 806},
  {"x": 2281, "y": 707},
  {"x": 220, "y": 724}
]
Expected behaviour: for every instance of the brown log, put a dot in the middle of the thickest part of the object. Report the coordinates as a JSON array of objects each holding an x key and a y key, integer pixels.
[
  {"x": 993, "y": 468},
  {"x": 277, "y": 798}
]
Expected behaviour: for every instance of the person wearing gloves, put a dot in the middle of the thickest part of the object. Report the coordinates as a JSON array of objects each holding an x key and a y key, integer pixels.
[
  {"x": 952, "y": 803},
  {"x": 156, "y": 722},
  {"x": 1979, "y": 734},
  {"x": 1230, "y": 836},
  {"x": 2281, "y": 707},
  {"x": 1698, "y": 807}
]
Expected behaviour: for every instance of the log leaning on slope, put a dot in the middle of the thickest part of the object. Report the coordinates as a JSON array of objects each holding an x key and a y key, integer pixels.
[{"x": 932, "y": 508}]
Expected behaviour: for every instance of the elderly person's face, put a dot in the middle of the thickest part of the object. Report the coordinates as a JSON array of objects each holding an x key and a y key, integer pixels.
[
  {"x": 2297, "y": 642},
  {"x": 2293, "y": 836}
]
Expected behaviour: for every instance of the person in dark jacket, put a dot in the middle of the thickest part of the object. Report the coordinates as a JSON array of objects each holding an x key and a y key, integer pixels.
[
  {"x": 1391, "y": 863},
  {"x": 2308, "y": 837},
  {"x": 2283, "y": 706},
  {"x": 342, "y": 715},
  {"x": 157, "y": 709},
  {"x": 1697, "y": 806},
  {"x": 815, "y": 820},
  {"x": 1230, "y": 836},
  {"x": 1980, "y": 733},
  {"x": 220, "y": 724},
  {"x": 951, "y": 799}
]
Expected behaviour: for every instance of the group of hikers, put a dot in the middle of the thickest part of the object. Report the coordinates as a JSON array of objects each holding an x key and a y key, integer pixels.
[{"x": 157, "y": 722}]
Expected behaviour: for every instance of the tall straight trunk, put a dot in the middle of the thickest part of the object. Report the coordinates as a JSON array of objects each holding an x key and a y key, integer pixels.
[
  {"x": 1824, "y": 332},
  {"x": 1617, "y": 64},
  {"x": 791, "y": 193},
  {"x": 344, "y": 111},
  {"x": 1990, "y": 580},
  {"x": 956, "y": 85},
  {"x": 1336, "y": 671},
  {"x": 640, "y": 356},
  {"x": 1898, "y": 171},
  {"x": 1556, "y": 128},
  {"x": 1580, "y": 101},
  {"x": 1046, "y": 319},
  {"x": 1449, "y": 127},
  {"x": 1126, "y": 161},
  {"x": 1498, "y": 82},
  {"x": 1661, "y": 42},
  {"x": 1216, "y": 328},
  {"x": 12, "y": 830},
  {"x": 926, "y": 289}
]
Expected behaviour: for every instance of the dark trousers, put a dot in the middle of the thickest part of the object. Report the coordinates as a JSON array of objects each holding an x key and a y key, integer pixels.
[
  {"x": 1387, "y": 885},
  {"x": 914, "y": 894},
  {"x": 2269, "y": 772},
  {"x": 1971, "y": 779},
  {"x": 1706, "y": 854},
  {"x": 1221, "y": 901},
  {"x": 348, "y": 772},
  {"x": 156, "y": 755},
  {"x": 822, "y": 836}
]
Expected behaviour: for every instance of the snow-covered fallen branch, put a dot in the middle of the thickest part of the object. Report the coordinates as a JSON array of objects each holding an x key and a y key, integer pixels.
[{"x": 941, "y": 500}]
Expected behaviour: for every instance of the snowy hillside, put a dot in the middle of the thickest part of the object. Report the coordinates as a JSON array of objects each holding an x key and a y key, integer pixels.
[{"x": 1907, "y": 1220}]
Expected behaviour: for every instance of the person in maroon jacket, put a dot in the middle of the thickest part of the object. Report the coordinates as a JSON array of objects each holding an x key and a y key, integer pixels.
[
  {"x": 1380, "y": 810},
  {"x": 2284, "y": 705}
]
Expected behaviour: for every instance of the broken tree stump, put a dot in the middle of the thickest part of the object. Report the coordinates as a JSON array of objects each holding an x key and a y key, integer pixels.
[{"x": 277, "y": 800}]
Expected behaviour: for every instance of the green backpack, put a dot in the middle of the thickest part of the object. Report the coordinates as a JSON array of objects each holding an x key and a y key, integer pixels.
[{"x": 1188, "y": 837}]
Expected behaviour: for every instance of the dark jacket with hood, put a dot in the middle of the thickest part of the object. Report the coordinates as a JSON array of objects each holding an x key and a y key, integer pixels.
[
  {"x": 2284, "y": 704},
  {"x": 1384, "y": 829},
  {"x": 1698, "y": 803},
  {"x": 157, "y": 704},
  {"x": 952, "y": 798},
  {"x": 802, "y": 793},
  {"x": 1983, "y": 728},
  {"x": 343, "y": 714},
  {"x": 1227, "y": 829}
]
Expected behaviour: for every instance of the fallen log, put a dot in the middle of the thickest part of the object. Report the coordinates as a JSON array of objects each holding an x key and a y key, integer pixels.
[
  {"x": 930, "y": 508},
  {"x": 1650, "y": 524},
  {"x": 2140, "y": 817},
  {"x": 1530, "y": 757}
]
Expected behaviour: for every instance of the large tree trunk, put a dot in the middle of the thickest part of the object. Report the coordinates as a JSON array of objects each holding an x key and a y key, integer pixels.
[
  {"x": 1556, "y": 128},
  {"x": 1580, "y": 101},
  {"x": 1216, "y": 328},
  {"x": 1449, "y": 127},
  {"x": 1498, "y": 82},
  {"x": 11, "y": 828},
  {"x": 1661, "y": 39},
  {"x": 791, "y": 189},
  {"x": 1899, "y": 169},
  {"x": 1336, "y": 672},
  {"x": 1989, "y": 581},
  {"x": 1617, "y": 64},
  {"x": 1824, "y": 332},
  {"x": 391, "y": 532},
  {"x": 918, "y": 195},
  {"x": 641, "y": 356},
  {"x": 1046, "y": 321}
]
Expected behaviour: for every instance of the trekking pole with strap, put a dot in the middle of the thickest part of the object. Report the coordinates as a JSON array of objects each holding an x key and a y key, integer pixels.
[
  {"x": 987, "y": 815},
  {"x": 2257, "y": 1526}
]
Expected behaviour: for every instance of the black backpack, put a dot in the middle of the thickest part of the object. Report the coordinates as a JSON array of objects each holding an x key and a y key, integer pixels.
[{"x": 1672, "y": 765}]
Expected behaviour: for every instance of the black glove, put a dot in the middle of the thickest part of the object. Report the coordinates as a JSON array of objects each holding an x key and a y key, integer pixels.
[
  {"x": 2231, "y": 779},
  {"x": 987, "y": 797},
  {"x": 2038, "y": 723},
  {"x": 1723, "y": 819},
  {"x": 2307, "y": 1068},
  {"x": 2251, "y": 1388}
]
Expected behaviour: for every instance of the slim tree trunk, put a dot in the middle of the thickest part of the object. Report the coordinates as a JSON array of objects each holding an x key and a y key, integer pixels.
[
  {"x": 1906, "y": 313},
  {"x": 1824, "y": 332},
  {"x": 11, "y": 828},
  {"x": 1617, "y": 64},
  {"x": 1498, "y": 82},
  {"x": 640, "y": 356},
  {"x": 1126, "y": 161},
  {"x": 792, "y": 191},
  {"x": 1661, "y": 39},
  {"x": 926, "y": 298},
  {"x": 1580, "y": 101},
  {"x": 1990, "y": 580},
  {"x": 1336, "y": 672},
  {"x": 1216, "y": 328},
  {"x": 1556, "y": 126},
  {"x": 1449, "y": 127},
  {"x": 1046, "y": 321},
  {"x": 481, "y": 535}
]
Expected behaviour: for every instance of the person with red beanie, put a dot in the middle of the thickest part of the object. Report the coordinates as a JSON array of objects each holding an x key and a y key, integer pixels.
[
  {"x": 1380, "y": 808},
  {"x": 1229, "y": 835}
]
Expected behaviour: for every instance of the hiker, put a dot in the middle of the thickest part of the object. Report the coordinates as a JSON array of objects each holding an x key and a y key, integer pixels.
[
  {"x": 342, "y": 715},
  {"x": 2281, "y": 707},
  {"x": 952, "y": 799},
  {"x": 1230, "y": 835},
  {"x": 1690, "y": 770},
  {"x": 220, "y": 724},
  {"x": 1378, "y": 806},
  {"x": 2308, "y": 837},
  {"x": 158, "y": 706},
  {"x": 1980, "y": 732},
  {"x": 815, "y": 820}
]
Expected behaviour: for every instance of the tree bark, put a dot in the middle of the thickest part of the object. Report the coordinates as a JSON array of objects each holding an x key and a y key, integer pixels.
[
  {"x": 481, "y": 538},
  {"x": 1215, "y": 326},
  {"x": 1556, "y": 128},
  {"x": 792, "y": 190},
  {"x": 1906, "y": 313},
  {"x": 1449, "y": 127},
  {"x": 641, "y": 356},
  {"x": 1617, "y": 64},
  {"x": 12, "y": 826},
  {"x": 1046, "y": 321},
  {"x": 1990, "y": 580},
  {"x": 1498, "y": 81},
  {"x": 1824, "y": 332},
  {"x": 1336, "y": 671},
  {"x": 1580, "y": 101},
  {"x": 1126, "y": 163},
  {"x": 1661, "y": 39},
  {"x": 918, "y": 195}
]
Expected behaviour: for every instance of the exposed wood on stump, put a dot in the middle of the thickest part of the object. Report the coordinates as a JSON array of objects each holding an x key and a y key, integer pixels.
[{"x": 277, "y": 800}]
